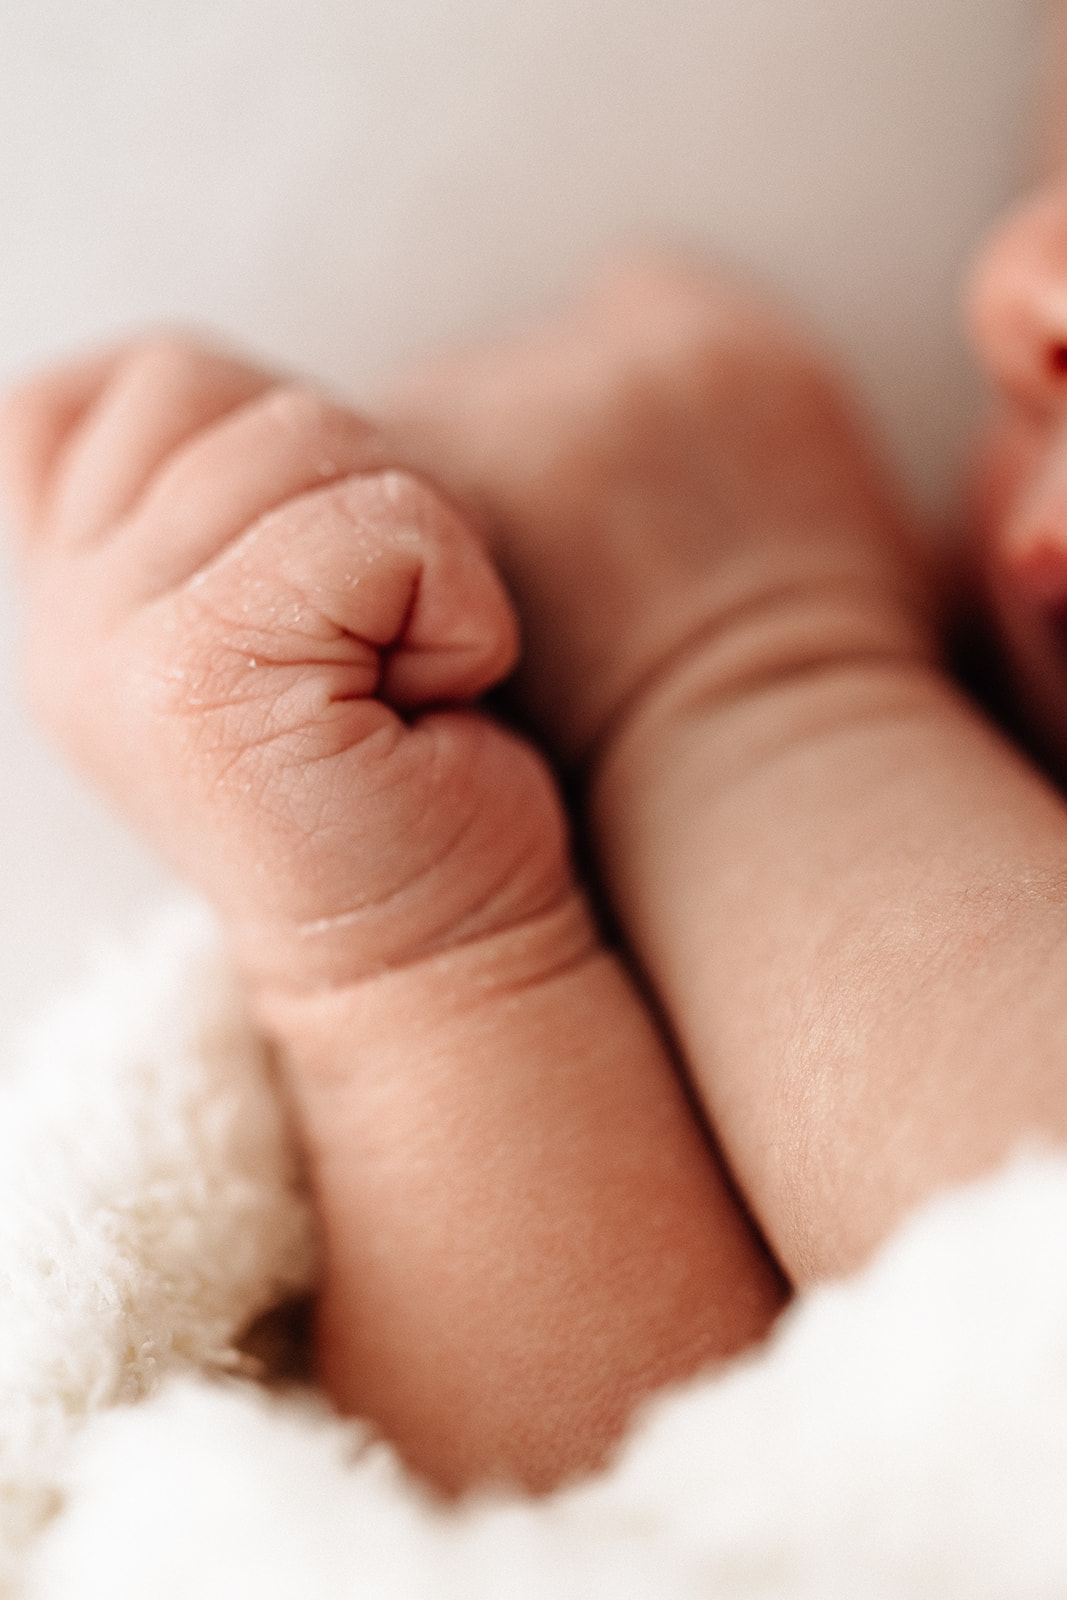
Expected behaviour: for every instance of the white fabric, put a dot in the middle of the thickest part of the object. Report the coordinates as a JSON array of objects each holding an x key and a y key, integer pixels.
[{"x": 902, "y": 1435}]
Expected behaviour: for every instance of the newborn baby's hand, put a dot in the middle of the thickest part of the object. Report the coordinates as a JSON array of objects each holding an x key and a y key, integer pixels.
[
  {"x": 663, "y": 461},
  {"x": 261, "y": 638}
]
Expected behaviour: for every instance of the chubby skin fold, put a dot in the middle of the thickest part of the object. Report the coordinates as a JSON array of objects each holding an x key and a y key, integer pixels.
[{"x": 262, "y": 636}]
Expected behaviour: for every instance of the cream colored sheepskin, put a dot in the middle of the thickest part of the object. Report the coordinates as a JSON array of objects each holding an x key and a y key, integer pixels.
[{"x": 903, "y": 1435}]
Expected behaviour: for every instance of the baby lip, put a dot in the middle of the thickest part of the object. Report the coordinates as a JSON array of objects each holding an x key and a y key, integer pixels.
[
  {"x": 1033, "y": 548},
  {"x": 1033, "y": 555},
  {"x": 1039, "y": 575}
]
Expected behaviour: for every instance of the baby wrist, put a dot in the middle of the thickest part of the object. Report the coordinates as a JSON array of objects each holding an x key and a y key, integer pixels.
[
  {"x": 337, "y": 1044},
  {"x": 775, "y": 632}
]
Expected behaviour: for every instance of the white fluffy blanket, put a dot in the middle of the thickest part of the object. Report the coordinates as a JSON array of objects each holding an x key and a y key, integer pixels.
[{"x": 903, "y": 1434}]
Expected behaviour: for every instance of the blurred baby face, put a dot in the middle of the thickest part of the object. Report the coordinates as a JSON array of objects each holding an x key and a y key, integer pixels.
[{"x": 1018, "y": 316}]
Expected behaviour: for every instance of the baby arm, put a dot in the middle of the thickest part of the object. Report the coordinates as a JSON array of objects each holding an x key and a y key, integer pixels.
[
  {"x": 264, "y": 641},
  {"x": 849, "y": 894}
]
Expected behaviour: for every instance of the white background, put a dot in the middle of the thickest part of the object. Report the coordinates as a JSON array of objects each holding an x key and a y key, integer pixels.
[{"x": 339, "y": 183}]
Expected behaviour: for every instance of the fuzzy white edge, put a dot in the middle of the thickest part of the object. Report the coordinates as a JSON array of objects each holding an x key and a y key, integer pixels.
[{"x": 903, "y": 1434}]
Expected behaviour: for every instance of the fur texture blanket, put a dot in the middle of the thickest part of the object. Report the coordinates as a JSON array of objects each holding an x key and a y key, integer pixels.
[{"x": 903, "y": 1434}]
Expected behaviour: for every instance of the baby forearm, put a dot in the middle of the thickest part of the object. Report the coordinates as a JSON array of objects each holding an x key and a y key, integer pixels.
[
  {"x": 266, "y": 638},
  {"x": 852, "y": 896},
  {"x": 525, "y": 1233}
]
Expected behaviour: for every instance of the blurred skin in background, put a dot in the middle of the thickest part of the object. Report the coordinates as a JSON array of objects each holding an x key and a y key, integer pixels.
[{"x": 1017, "y": 308}]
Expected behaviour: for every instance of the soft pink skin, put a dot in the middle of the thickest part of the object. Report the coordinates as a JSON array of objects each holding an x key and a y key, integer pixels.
[{"x": 259, "y": 636}]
